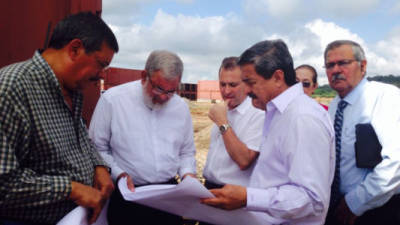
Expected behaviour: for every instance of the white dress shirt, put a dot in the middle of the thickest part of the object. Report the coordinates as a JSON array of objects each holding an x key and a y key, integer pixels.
[
  {"x": 246, "y": 121},
  {"x": 292, "y": 178},
  {"x": 152, "y": 146},
  {"x": 378, "y": 104}
]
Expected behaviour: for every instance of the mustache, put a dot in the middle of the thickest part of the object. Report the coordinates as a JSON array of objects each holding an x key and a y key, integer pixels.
[
  {"x": 251, "y": 95},
  {"x": 338, "y": 76}
]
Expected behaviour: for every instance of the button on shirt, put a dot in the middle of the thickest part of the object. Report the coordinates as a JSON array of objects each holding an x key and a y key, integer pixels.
[
  {"x": 293, "y": 175},
  {"x": 247, "y": 122},
  {"x": 152, "y": 146},
  {"x": 378, "y": 104},
  {"x": 44, "y": 145}
]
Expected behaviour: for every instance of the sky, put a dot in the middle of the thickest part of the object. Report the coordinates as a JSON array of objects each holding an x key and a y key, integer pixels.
[{"x": 203, "y": 32}]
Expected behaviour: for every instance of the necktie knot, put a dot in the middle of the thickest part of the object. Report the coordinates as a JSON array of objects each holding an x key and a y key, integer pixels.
[{"x": 342, "y": 104}]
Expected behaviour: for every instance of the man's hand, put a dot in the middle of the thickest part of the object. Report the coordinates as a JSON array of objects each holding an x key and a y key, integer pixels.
[
  {"x": 129, "y": 181},
  {"x": 87, "y": 197},
  {"x": 103, "y": 182},
  {"x": 343, "y": 214},
  {"x": 218, "y": 113},
  {"x": 229, "y": 197}
]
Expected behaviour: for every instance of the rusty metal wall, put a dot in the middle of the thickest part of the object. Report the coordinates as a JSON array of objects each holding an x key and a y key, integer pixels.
[
  {"x": 24, "y": 24},
  {"x": 112, "y": 77},
  {"x": 115, "y": 76}
]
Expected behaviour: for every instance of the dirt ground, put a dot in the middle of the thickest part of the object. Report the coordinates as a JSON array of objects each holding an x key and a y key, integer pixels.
[{"x": 202, "y": 129}]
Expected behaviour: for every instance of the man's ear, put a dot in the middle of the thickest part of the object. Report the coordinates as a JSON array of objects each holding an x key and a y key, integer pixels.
[
  {"x": 363, "y": 66},
  {"x": 143, "y": 76},
  {"x": 75, "y": 48},
  {"x": 278, "y": 76}
]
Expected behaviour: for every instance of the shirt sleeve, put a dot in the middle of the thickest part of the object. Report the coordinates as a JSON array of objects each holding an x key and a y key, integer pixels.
[
  {"x": 252, "y": 139},
  {"x": 384, "y": 180},
  {"x": 100, "y": 133},
  {"x": 22, "y": 187},
  {"x": 307, "y": 152},
  {"x": 188, "y": 150},
  {"x": 94, "y": 155}
]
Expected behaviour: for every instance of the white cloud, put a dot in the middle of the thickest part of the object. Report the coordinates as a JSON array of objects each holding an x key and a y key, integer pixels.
[
  {"x": 122, "y": 12},
  {"x": 396, "y": 8},
  {"x": 202, "y": 42},
  {"x": 185, "y": 1},
  {"x": 382, "y": 57},
  {"x": 346, "y": 8},
  {"x": 293, "y": 10},
  {"x": 329, "y": 31},
  {"x": 281, "y": 8},
  {"x": 389, "y": 50}
]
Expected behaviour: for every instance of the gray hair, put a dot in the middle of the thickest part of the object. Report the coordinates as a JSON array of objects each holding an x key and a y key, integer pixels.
[
  {"x": 169, "y": 63},
  {"x": 358, "y": 52}
]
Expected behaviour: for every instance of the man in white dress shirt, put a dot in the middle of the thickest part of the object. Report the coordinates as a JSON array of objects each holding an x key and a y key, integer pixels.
[
  {"x": 366, "y": 195},
  {"x": 144, "y": 131},
  {"x": 292, "y": 176},
  {"x": 236, "y": 134}
]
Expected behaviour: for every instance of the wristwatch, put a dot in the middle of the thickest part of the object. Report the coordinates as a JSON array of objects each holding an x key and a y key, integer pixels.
[{"x": 223, "y": 128}]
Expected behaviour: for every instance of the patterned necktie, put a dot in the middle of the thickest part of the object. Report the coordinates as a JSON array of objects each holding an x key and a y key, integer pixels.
[{"x": 335, "y": 191}]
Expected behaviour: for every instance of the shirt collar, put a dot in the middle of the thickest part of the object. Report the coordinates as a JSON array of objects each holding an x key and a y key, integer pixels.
[
  {"x": 242, "y": 107},
  {"x": 281, "y": 101},
  {"x": 355, "y": 94},
  {"x": 42, "y": 64}
]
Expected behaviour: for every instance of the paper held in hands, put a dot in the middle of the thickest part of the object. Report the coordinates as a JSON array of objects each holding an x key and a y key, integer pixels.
[
  {"x": 184, "y": 199},
  {"x": 79, "y": 216}
]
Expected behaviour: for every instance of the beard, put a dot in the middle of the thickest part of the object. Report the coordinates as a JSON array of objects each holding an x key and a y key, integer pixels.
[{"x": 148, "y": 101}]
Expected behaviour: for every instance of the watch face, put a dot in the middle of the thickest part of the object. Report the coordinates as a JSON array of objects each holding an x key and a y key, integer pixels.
[{"x": 223, "y": 128}]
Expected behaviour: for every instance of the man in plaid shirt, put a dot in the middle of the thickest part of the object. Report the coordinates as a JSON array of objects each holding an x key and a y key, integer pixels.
[{"x": 48, "y": 165}]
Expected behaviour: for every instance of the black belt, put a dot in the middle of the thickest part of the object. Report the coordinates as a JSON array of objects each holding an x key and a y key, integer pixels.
[
  {"x": 170, "y": 181},
  {"x": 211, "y": 185}
]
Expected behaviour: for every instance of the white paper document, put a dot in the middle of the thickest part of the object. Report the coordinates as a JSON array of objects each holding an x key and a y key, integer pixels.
[
  {"x": 79, "y": 216},
  {"x": 184, "y": 200}
]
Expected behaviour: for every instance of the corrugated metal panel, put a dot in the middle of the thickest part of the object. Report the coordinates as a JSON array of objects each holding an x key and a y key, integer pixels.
[
  {"x": 24, "y": 24},
  {"x": 116, "y": 76},
  {"x": 112, "y": 77}
]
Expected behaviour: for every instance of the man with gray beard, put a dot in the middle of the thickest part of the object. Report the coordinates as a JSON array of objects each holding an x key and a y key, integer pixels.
[{"x": 144, "y": 131}]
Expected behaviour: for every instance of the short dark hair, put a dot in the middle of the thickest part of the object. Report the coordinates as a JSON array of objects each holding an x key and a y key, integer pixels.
[
  {"x": 269, "y": 56},
  {"x": 87, "y": 27},
  {"x": 310, "y": 68},
  {"x": 229, "y": 63}
]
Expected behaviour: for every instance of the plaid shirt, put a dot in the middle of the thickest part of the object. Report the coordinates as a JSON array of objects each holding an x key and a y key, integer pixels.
[{"x": 43, "y": 144}]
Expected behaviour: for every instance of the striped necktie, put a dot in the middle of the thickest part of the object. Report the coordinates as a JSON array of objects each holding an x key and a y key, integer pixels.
[{"x": 338, "y": 124}]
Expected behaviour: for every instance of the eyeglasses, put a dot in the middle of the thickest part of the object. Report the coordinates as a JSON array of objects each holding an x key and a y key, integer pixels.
[
  {"x": 306, "y": 84},
  {"x": 159, "y": 90},
  {"x": 341, "y": 63}
]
